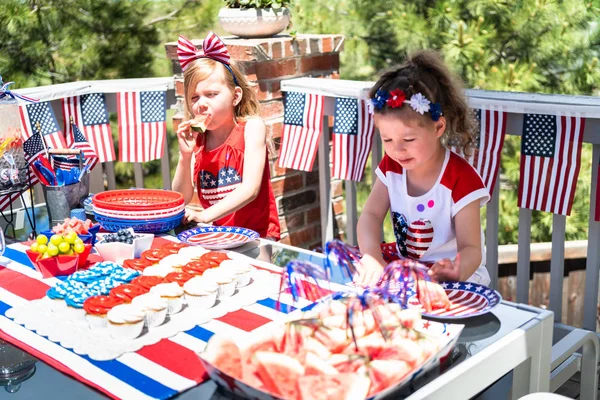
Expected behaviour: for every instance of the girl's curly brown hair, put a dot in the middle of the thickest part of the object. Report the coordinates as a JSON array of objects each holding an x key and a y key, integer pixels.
[{"x": 425, "y": 72}]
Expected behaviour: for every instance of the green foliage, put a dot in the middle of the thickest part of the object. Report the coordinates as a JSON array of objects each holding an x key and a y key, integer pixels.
[
  {"x": 52, "y": 41},
  {"x": 274, "y": 4},
  {"x": 543, "y": 46}
]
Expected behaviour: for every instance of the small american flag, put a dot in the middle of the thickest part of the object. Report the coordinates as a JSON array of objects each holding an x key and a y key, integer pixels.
[
  {"x": 79, "y": 142},
  {"x": 215, "y": 188},
  {"x": 33, "y": 147},
  {"x": 352, "y": 138},
  {"x": 550, "y": 162},
  {"x": 142, "y": 125},
  {"x": 42, "y": 113},
  {"x": 303, "y": 117},
  {"x": 90, "y": 113}
]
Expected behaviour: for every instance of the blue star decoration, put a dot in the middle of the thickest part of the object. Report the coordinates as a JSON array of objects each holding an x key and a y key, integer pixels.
[
  {"x": 226, "y": 176},
  {"x": 400, "y": 230}
]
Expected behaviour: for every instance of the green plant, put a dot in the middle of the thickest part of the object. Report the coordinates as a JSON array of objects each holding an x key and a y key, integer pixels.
[{"x": 274, "y": 4}]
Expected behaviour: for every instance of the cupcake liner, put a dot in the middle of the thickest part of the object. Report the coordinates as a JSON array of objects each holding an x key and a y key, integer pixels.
[
  {"x": 242, "y": 279},
  {"x": 155, "y": 318},
  {"x": 126, "y": 331},
  {"x": 175, "y": 304},
  {"x": 203, "y": 301},
  {"x": 58, "y": 305},
  {"x": 96, "y": 321},
  {"x": 227, "y": 289}
]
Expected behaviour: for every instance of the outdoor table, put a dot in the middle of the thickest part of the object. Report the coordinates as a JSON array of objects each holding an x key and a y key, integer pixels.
[{"x": 513, "y": 337}]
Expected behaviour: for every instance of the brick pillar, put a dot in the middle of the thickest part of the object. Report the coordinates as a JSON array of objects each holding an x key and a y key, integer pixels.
[{"x": 267, "y": 62}]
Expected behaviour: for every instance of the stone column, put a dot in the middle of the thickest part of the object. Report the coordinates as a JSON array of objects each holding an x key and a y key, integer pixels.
[{"x": 267, "y": 62}]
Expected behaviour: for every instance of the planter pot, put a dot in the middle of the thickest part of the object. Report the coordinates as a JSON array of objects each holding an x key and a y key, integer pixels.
[{"x": 254, "y": 23}]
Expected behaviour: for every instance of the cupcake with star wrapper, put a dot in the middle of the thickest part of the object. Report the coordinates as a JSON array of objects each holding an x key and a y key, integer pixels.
[
  {"x": 59, "y": 292},
  {"x": 75, "y": 302}
]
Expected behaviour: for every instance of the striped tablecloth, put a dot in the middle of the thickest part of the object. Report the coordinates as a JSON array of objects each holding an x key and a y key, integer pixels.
[{"x": 157, "y": 371}]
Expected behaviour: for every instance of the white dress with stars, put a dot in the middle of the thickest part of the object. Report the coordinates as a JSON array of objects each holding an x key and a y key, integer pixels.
[{"x": 424, "y": 225}]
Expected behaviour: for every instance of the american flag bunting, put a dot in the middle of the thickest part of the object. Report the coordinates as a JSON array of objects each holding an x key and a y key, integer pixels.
[
  {"x": 42, "y": 113},
  {"x": 142, "y": 125},
  {"x": 490, "y": 141},
  {"x": 550, "y": 162},
  {"x": 303, "y": 118},
  {"x": 352, "y": 138},
  {"x": 90, "y": 114}
]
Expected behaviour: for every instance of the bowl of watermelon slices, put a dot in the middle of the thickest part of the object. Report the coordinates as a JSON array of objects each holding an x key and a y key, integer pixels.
[
  {"x": 316, "y": 358},
  {"x": 85, "y": 230}
]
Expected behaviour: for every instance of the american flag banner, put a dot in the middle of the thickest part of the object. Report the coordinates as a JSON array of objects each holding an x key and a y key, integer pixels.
[
  {"x": 303, "y": 117},
  {"x": 142, "y": 125},
  {"x": 352, "y": 138},
  {"x": 490, "y": 141},
  {"x": 42, "y": 113},
  {"x": 89, "y": 112},
  {"x": 550, "y": 162}
]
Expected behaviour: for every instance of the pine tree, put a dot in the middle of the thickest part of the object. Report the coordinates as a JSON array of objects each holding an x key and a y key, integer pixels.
[{"x": 543, "y": 46}]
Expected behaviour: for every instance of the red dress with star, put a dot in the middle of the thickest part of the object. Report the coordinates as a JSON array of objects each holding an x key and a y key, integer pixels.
[{"x": 220, "y": 171}]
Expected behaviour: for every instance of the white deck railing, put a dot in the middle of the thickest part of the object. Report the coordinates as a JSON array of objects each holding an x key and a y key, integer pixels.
[{"x": 516, "y": 105}]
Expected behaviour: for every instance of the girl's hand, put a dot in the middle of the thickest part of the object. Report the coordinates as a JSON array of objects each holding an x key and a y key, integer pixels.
[
  {"x": 369, "y": 271},
  {"x": 186, "y": 138},
  {"x": 446, "y": 270},
  {"x": 194, "y": 216}
]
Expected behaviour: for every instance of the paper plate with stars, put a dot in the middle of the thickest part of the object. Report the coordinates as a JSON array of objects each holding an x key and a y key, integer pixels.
[
  {"x": 467, "y": 300},
  {"x": 218, "y": 237}
]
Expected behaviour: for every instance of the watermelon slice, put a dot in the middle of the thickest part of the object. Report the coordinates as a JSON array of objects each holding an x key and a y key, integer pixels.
[
  {"x": 224, "y": 354},
  {"x": 369, "y": 345},
  {"x": 312, "y": 345},
  {"x": 279, "y": 373},
  {"x": 346, "y": 363},
  {"x": 341, "y": 386},
  {"x": 432, "y": 296},
  {"x": 403, "y": 350},
  {"x": 385, "y": 373},
  {"x": 314, "y": 365},
  {"x": 334, "y": 339}
]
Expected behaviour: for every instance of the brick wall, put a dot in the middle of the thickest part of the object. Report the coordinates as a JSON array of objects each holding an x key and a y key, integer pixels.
[{"x": 267, "y": 62}]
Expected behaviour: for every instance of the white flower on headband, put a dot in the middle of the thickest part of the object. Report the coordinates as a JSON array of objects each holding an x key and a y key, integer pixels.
[
  {"x": 370, "y": 108},
  {"x": 419, "y": 103}
]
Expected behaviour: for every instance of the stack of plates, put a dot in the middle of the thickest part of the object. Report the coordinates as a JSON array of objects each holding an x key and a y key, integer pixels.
[{"x": 144, "y": 210}]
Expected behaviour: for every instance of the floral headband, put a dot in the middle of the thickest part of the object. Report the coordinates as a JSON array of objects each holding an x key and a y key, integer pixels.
[{"x": 396, "y": 98}]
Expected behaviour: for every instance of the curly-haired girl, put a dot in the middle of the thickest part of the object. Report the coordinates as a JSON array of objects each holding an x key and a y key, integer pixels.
[{"x": 433, "y": 195}]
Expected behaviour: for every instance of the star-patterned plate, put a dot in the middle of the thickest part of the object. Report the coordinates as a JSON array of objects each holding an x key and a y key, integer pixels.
[
  {"x": 218, "y": 237},
  {"x": 467, "y": 300}
]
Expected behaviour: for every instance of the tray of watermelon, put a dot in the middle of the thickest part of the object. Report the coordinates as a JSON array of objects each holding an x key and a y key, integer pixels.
[{"x": 318, "y": 356}]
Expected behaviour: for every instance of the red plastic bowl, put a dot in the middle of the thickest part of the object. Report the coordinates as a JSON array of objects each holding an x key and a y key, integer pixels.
[{"x": 60, "y": 265}]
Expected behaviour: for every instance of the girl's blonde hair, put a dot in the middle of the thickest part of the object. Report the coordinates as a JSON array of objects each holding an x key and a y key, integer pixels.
[
  {"x": 425, "y": 72},
  {"x": 202, "y": 68}
]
